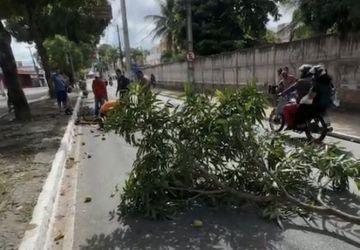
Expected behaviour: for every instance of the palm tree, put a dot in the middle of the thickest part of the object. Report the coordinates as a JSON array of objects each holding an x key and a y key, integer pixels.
[{"x": 165, "y": 23}]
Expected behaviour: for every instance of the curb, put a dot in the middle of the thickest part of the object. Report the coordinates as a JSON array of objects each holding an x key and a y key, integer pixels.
[
  {"x": 345, "y": 137},
  {"x": 35, "y": 237}
]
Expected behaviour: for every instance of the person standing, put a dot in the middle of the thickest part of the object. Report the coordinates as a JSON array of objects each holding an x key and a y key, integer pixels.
[
  {"x": 143, "y": 80},
  {"x": 60, "y": 90},
  {"x": 287, "y": 78},
  {"x": 152, "y": 80},
  {"x": 100, "y": 93},
  {"x": 122, "y": 83}
]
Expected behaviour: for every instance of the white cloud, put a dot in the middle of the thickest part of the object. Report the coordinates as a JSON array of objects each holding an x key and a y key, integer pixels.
[{"x": 286, "y": 17}]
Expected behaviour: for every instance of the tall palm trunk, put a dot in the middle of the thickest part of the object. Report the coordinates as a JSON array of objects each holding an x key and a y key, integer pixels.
[{"x": 9, "y": 68}]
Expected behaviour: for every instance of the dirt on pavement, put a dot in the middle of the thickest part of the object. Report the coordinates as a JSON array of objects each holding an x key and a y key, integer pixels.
[{"x": 26, "y": 154}]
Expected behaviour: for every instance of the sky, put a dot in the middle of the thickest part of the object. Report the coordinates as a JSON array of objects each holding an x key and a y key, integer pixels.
[{"x": 139, "y": 29}]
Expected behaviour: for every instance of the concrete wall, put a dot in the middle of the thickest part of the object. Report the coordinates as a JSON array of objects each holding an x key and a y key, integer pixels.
[{"x": 340, "y": 55}]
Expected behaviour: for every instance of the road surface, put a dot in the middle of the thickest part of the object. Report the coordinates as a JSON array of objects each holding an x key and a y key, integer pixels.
[
  {"x": 98, "y": 226},
  {"x": 31, "y": 94}
]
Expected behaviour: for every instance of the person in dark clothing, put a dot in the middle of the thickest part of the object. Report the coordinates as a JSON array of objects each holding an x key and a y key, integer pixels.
[
  {"x": 122, "y": 83},
  {"x": 152, "y": 80},
  {"x": 320, "y": 95},
  {"x": 301, "y": 86},
  {"x": 60, "y": 90}
]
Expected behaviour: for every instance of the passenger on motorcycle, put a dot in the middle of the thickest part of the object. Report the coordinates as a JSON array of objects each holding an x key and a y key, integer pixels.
[
  {"x": 319, "y": 98},
  {"x": 301, "y": 88},
  {"x": 286, "y": 81}
]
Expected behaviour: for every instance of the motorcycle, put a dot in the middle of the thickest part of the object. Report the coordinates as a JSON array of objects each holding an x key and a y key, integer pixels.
[{"x": 316, "y": 128}]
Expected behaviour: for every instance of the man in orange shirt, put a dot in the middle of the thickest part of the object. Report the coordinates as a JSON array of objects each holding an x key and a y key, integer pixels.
[{"x": 100, "y": 93}]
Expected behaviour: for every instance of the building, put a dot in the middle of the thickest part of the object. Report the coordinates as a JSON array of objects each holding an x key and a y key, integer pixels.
[
  {"x": 284, "y": 32},
  {"x": 154, "y": 57},
  {"x": 28, "y": 76}
]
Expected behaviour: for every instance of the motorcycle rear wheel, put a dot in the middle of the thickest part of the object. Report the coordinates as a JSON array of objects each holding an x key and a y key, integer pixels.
[{"x": 316, "y": 129}]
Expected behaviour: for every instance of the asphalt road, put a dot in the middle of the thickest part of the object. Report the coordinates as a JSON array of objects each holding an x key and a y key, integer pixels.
[
  {"x": 98, "y": 226},
  {"x": 30, "y": 93}
]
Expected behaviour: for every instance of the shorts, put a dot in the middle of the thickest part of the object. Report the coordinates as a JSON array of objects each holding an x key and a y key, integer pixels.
[{"x": 61, "y": 96}]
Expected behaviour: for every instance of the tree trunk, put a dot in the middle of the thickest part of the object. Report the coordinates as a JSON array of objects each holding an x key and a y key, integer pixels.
[
  {"x": 44, "y": 61},
  {"x": 34, "y": 29},
  {"x": 9, "y": 68}
]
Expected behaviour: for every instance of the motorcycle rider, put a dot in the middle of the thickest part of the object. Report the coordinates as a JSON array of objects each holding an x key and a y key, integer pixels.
[
  {"x": 301, "y": 88},
  {"x": 319, "y": 98}
]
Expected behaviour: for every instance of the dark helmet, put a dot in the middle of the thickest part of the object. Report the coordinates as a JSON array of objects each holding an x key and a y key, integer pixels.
[
  {"x": 305, "y": 68},
  {"x": 318, "y": 70}
]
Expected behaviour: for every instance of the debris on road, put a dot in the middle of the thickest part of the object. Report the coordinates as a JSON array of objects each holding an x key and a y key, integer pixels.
[
  {"x": 87, "y": 199},
  {"x": 59, "y": 237},
  {"x": 197, "y": 223}
]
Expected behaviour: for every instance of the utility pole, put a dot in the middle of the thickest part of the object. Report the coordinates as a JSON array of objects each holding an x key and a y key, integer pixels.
[
  {"x": 190, "y": 44},
  {"x": 35, "y": 66},
  {"x": 126, "y": 38},
  {"x": 120, "y": 49}
]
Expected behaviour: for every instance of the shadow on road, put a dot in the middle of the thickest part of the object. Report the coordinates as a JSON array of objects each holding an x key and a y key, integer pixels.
[
  {"x": 221, "y": 230},
  {"x": 230, "y": 229}
]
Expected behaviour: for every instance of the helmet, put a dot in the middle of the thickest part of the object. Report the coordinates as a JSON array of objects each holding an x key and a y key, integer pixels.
[
  {"x": 305, "y": 68},
  {"x": 318, "y": 70}
]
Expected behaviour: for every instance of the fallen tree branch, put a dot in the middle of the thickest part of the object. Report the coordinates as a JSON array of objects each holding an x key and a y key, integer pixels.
[
  {"x": 238, "y": 194},
  {"x": 324, "y": 209}
]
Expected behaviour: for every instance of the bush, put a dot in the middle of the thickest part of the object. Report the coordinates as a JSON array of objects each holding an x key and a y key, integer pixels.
[{"x": 214, "y": 150}]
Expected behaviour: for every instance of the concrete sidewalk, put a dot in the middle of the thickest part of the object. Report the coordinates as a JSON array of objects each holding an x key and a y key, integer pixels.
[{"x": 346, "y": 125}]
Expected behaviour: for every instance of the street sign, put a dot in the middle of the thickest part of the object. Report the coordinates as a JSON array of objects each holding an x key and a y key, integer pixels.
[{"x": 190, "y": 56}]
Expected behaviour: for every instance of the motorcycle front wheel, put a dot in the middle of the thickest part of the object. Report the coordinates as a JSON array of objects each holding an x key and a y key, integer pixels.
[{"x": 316, "y": 129}]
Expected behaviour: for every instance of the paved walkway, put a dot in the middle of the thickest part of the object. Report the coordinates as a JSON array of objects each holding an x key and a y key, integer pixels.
[
  {"x": 30, "y": 93},
  {"x": 344, "y": 123}
]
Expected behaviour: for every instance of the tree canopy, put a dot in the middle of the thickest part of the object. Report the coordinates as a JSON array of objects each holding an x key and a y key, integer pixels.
[
  {"x": 218, "y": 25},
  {"x": 325, "y": 16},
  {"x": 36, "y": 21},
  {"x": 62, "y": 53}
]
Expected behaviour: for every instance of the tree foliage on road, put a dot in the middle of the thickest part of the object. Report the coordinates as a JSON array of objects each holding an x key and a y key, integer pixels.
[
  {"x": 211, "y": 151},
  {"x": 218, "y": 26}
]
